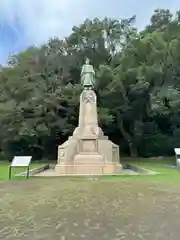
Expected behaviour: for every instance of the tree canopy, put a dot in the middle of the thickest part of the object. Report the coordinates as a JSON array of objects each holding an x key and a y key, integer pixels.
[{"x": 137, "y": 84}]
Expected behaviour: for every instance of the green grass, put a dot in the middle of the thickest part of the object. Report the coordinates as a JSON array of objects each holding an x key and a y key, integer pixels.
[
  {"x": 166, "y": 173},
  {"x": 153, "y": 160},
  {"x": 121, "y": 207},
  {"x": 4, "y": 170}
]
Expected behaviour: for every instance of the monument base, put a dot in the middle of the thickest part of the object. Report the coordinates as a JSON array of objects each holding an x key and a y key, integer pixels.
[
  {"x": 84, "y": 170},
  {"x": 88, "y": 151}
]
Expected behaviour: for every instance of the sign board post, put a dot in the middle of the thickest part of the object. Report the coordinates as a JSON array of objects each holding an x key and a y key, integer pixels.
[{"x": 20, "y": 161}]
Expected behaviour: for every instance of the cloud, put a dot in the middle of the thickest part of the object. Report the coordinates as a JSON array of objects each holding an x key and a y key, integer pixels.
[
  {"x": 40, "y": 19},
  {"x": 27, "y": 22}
]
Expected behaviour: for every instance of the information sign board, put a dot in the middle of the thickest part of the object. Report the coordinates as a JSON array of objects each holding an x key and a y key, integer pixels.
[{"x": 20, "y": 161}]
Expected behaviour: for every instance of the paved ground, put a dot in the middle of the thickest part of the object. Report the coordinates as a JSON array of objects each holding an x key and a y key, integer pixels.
[
  {"x": 52, "y": 173},
  {"x": 60, "y": 209}
]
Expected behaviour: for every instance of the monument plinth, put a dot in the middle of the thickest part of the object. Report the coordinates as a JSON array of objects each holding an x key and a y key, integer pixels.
[{"x": 88, "y": 151}]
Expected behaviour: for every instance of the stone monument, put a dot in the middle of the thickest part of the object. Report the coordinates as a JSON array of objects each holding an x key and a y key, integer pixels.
[{"x": 88, "y": 151}]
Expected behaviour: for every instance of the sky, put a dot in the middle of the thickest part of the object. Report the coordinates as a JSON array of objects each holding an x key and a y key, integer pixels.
[{"x": 33, "y": 22}]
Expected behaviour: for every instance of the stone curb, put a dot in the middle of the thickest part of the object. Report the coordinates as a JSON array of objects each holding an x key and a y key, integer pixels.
[
  {"x": 141, "y": 170},
  {"x": 35, "y": 171}
]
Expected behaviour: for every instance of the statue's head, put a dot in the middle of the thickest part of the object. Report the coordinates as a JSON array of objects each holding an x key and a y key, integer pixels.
[{"x": 87, "y": 61}]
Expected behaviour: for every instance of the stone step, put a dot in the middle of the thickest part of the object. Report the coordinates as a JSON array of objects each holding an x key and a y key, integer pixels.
[
  {"x": 88, "y": 170},
  {"x": 89, "y": 153},
  {"x": 89, "y": 163},
  {"x": 88, "y": 159}
]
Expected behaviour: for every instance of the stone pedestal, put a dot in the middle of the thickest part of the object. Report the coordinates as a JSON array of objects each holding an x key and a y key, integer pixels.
[{"x": 88, "y": 151}]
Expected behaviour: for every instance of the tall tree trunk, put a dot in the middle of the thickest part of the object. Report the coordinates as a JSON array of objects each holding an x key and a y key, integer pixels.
[
  {"x": 133, "y": 150},
  {"x": 132, "y": 147}
]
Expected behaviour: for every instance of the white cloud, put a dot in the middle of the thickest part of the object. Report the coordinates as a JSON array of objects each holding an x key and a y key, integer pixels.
[
  {"x": 40, "y": 19},
  {"x": 28, "y": 22}
]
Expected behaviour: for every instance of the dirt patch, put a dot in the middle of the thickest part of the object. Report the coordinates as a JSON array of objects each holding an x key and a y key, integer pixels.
[{"x": 86, "y": 209}]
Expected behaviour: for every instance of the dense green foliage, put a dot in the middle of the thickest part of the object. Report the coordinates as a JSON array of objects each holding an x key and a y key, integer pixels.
[{"x": 138, "y": 88}]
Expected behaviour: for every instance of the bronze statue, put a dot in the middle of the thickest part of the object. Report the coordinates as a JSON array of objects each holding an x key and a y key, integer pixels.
[{"x": 87, "y": 75}]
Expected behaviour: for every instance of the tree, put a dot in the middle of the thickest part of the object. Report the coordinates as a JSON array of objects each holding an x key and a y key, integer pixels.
[{"x": 137, "y": 84}]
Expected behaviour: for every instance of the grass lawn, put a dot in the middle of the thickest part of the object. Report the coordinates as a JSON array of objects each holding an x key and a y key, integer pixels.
[
  {"x": 167, "y": 174},
  {"x": 4, "y": 170},
  {"x": 126, "y": 208}
]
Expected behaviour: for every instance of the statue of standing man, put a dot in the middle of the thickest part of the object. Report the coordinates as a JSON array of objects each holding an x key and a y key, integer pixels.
[{"x": 87, "y": 76}]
